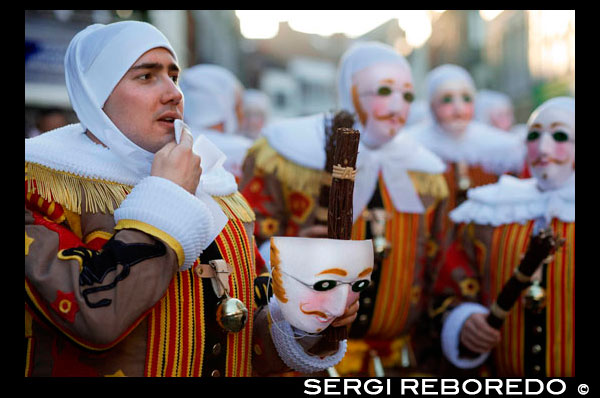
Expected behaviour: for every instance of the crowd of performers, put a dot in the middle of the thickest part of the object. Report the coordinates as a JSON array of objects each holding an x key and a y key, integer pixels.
[{"x": 146, "y": 256}]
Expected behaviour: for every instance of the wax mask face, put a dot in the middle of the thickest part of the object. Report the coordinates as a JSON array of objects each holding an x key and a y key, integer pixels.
[
  {"x": 551, "y": 146},
  {"x": 315, "y": 280},
  {"x": 452, "y": 106},
  {"x": 382, "y": 94}
]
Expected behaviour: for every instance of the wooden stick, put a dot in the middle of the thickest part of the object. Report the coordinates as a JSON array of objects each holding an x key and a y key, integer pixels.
[
  {"x": 340, "y": 119},
  {"x": 339, "y": 216}
]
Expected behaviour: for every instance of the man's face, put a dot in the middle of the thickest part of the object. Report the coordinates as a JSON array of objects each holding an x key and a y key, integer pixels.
[
  {"x": 452, "y": 106},
  {"x": 382, "y": 94},
  {"x": 147, "y": 100},
  {"x": 551, "y": 147},
  {"x": 316, "y": 280}
]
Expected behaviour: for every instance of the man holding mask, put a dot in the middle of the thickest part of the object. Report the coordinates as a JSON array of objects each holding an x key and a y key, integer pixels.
[{"x": 139, "y": 255}]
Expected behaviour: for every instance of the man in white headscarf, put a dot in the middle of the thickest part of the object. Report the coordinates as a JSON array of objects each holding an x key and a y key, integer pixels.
[
  {"x": 399, "y": 192},
  {"x": 537, "y": 337},
  {"x": 214, "y": 108},
  {"x": 118, "y": 209}
]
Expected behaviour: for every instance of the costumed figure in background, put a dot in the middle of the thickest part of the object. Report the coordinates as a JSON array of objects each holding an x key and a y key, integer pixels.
[
  {"x": 257, "y": 112},
  {"x": 535, "y": 337},
  {"x": 476, "y": 153},
  {"x": 494, "y": 108},
  {"x": 139, "y": 253},
  {"x": 214, "y": 108},
  {"x": 399, "y": 195}
]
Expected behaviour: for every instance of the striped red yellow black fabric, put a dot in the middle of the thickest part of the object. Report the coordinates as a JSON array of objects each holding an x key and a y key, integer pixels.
[
  {"x": 397, "y": 272},
  {"x": 176, "y": 325},
  {"x": 509, "y": 242}
]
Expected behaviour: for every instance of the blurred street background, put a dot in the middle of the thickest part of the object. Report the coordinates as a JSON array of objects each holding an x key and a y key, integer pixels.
[{"x": 293, "y": 55}]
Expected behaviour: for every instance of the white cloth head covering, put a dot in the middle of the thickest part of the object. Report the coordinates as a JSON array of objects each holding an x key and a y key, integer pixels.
[
  {"x": 447, "y": 72},
  {"x": 210, "y": 95},
  {"x": 488, "y": 100},
  {"x": 256, "y": 99},
  {"x": 360, "y": 56},
  {"x": 565, "y": 103},
  {"x": 96, "y": 60}
]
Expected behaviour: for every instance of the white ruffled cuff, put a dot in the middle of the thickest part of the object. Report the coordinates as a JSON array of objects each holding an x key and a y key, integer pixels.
[
  {"x": 291, "y": 352},
  {"x": 451, "y": 335},
  {"x": 171, "y": 209}
]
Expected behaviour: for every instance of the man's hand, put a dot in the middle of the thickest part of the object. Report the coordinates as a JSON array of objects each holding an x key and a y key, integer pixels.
[
  {"x": 477, "y": 335},
  {"x": 347, "y": 317},
  {"x": 177, "y": 163},
  {"x": 315, "y": 231}
]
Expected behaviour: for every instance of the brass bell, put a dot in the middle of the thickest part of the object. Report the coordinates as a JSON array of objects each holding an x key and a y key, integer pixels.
[
  {"x": 535, "y": 297},
  {"x": 231, "y": 314}
]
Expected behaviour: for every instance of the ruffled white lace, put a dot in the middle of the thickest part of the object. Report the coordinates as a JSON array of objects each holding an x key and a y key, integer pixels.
[
  {"x": 514, "y": 200},
  {"x": 494, "y": 150},
  {"x": 68, "y": 149},
  {"x": 291, "y": 352}
]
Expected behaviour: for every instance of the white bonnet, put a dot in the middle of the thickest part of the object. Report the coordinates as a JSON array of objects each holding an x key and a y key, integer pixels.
[
  {"x": 96, "y": 60},
  {"x": 443, "y": 73},
  {"x": 360, "y": 56},
  {"x": 210, "y": 94},
  {"x": 487, "y": 100},
  {"x": 565, "y": 103}
]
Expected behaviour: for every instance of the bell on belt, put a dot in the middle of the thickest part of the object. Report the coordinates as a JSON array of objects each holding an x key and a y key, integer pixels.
[
  {"x": 231, "y": 314},
  {"x": 535, "y": 297}
]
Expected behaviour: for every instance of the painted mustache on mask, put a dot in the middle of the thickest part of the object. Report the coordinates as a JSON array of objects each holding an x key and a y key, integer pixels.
[
  {"x": 389, "y": 117},
  {"x": 459, "y": 118},
  {"x": 541, "y": 160},
  {"x": 318, "y": 313}
]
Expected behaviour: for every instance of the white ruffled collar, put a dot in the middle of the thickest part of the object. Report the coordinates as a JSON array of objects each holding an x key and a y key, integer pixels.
[
  {"x": 306, "y": 147},
  {"x": 303, "y": 144},
  {"x": 393, "y": 160},
  {"x": 68, "y": 149},
  {"x": 496, "y": 151},
  {"x": 514, "y": 200}
]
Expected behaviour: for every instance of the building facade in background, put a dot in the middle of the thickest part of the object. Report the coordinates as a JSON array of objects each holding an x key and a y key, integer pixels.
[{"x": 529, "y": 55}]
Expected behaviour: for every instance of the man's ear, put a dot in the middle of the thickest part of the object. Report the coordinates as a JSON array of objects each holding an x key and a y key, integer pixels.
[{"x": 362, "y": 115}]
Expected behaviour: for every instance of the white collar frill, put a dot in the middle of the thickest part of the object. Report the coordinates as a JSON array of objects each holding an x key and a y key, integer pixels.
[
  {"x": 496, "y": 151},
  {"x": 393, "y": 160},
  {"x": 514, "y": 200},
  {"x": 69, "y": 150},
  {"x": 304, "y": 144},
  {"x": 300, "y": 140}
]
